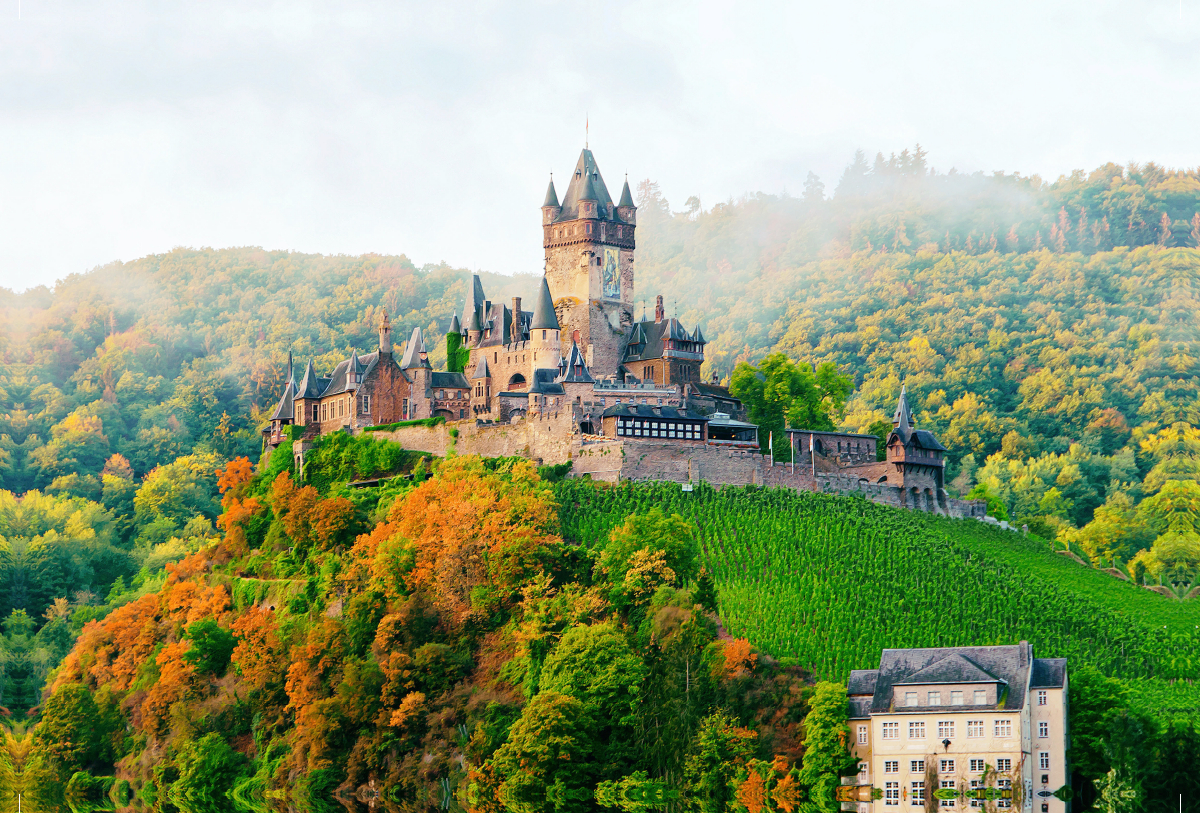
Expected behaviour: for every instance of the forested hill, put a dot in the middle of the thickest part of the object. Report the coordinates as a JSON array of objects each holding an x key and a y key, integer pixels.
[{"x": 1027, "y": 318}]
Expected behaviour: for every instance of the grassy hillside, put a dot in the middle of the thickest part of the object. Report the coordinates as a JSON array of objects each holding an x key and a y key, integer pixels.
[{"x": 827, "y": 582}]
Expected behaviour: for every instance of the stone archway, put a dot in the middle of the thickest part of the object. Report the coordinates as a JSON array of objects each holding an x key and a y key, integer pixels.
[{"x": 517, "y": 382}]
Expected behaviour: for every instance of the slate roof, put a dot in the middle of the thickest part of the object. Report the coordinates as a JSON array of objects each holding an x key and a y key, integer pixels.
[
  {"x": 310, "y": 385},
  {"x": 862, "y": 682},
  {"x": 284, "y": 409},
  {"x": 414, "y": 351},
  {"x": 903, "y": 414},
  {"x": 860, "y": 708},
  {"x": 922, "y": 438},
  {"x": 648, "y": 339},
  {"x": 551, "y": 195},
  {"x": 473, "y": 307},
  {"x": 954, "y": 668},
  {"x": 1048, "y": 673},
  {"x": 544, "y": 317},
  {"x": 574, "y": 368},
  {"x": 455, "y": 325},
  {"x": 481, "y": 369},
  {"x": 647, "y": 411},
  {"x": 586, "y": 184},
  {"x": 714, "y": 391},
  {"x": 1001, "y": 664},
  {"x": 544, "y": 383},
  {"x": 449, "y": 381},
  {"x": 626, "y": 198}
]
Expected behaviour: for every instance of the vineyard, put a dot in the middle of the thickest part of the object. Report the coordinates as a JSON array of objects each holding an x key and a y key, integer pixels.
[{"x": 827, "y": 582}]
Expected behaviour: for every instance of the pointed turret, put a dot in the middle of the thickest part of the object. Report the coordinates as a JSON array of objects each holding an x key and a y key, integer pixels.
[
  {"x": 308, "y": 387},
  {"x": 455, "y": 327},
  {"x": 353, "y": 370},
  {"x": 626, "y": 198},
  {"x": 903, "y": 413},
  {"x": 544, "y": 317},
  {"x": 551, "y": 195},
  {"x": 699, "y": 337},
  {"x": 415, "y": 355}
]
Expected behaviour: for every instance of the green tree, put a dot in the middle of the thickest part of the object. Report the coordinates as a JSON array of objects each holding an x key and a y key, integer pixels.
[
  {"x": 720, "y": 749},
  {"x": 778, "y": 393},
  {"x": 826, "y": 757}
]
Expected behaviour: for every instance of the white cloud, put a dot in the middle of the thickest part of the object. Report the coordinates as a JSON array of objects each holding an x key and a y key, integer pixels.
[{"x": 128, "y": 128}]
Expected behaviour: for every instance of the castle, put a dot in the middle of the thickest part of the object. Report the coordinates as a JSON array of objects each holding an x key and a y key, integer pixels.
[{"x": 578, "y": 379}]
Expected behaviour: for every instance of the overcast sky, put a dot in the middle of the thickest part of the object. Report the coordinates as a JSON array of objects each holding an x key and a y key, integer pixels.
[{"x": 430, "y": 129}]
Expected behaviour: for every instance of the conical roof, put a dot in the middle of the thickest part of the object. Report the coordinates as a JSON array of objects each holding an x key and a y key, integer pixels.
[
  {"x": 481, "y": 369},
  {"x": 699, "y": 337},
  {"x": 586, "y": 184},
  {"x": 551, "y": 195},
  {"x": 472, "y": 309},
  {"x": 414, "y": 354},
  {"x": 283, "y": 410},
  {"x": 626, "y": 198},
  {"x": 455, "y": 327},
  {"x": 309, "y": 387},
  {"x": 544, "y": 317},
  {"x": 903, "y": 413}
]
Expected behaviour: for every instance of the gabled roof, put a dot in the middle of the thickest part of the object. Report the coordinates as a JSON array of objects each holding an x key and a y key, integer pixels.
[
  {"x": 626, "y": 198},
  {"x": 1010, "y": 665},
  {"x": 648, "y": 340},
  {"x": 954, "y": 668},
  {"x": 544, "y": 317},
  {"x": 414, "y": 352},
  {"x": 586, "y": 184},
  {"x": 551, "y": 195},
  {"x": 575, "y": 370}
]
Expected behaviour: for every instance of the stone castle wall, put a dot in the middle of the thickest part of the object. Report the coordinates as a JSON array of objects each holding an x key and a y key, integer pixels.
[{"x": 554, "y": 438}]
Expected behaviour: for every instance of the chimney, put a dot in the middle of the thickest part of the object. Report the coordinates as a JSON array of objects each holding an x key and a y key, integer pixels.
[
  {"x": 658, "y": 310},
  {"x": 516, "y": 319},
  {"x": 385, "y": 335}
]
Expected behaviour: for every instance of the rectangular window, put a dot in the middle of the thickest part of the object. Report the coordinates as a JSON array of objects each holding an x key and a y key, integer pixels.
[
  {"x": 974, "y": 728},
  {"x": 891, "y": 794},
  {"x": 976, "y": 785},
  {"x": 910, "y": 699},
  {"x": 945, "y": 729},
  {"x": 1041, "y": 698},
  {"x": 862, "y": 772},
  {"x": 956, "y": 698},
  {"x": 946, "y": 766},
  {"x": 948, "y": 784},
  {"x": 933, "y": 699},
  {"x": 916, "y": 731},
  {"x": 1004, "y": 765},
  {"x": 1043, "y": 730},
  {"x": 980, "y": 697},
  {"x": 1044, "y": 760},
  {"x": 891, "y": 731},
  {"x": 977, "y": 766},
  {"x": 891, "y": 766},
  {"x": 1002, "y": 728},
  {"x": 1004, "y": 785},
  {"x": 862, "y": 735},
  {"x": 917, "y": 797},
  {"x": 916, "y": 766}
]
